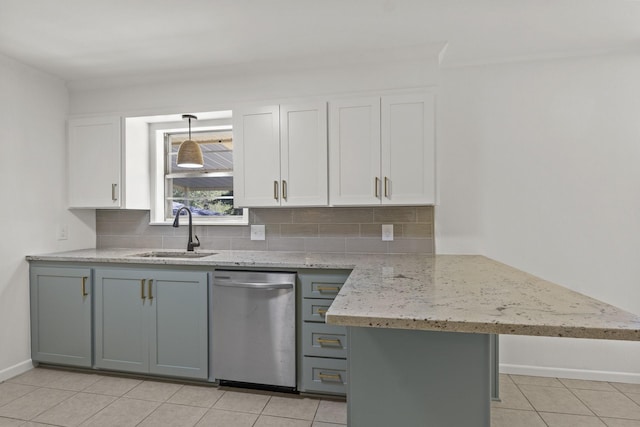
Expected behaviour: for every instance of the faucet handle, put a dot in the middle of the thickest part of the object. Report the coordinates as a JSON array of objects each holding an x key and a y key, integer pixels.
[{"x": 195, "y": 245}]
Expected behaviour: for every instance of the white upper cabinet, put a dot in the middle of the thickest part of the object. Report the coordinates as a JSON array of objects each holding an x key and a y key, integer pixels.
[
  {"x": 354, "y": 151},
  {"x": 94, "y": 154},
  {"x": 303, "y": 155},
  {"x": 408, "y": 149},
  {"x": 280, "y": 156},
  {"x": 98, "y": 161},
  {"x": 382, "y": 150}
]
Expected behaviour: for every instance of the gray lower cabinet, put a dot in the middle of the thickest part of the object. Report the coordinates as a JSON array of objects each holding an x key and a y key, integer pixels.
[
  {"x": 61, "y": 315},
  {"x": 151, "y": 321},
  {"x": 323, "y": 348}
]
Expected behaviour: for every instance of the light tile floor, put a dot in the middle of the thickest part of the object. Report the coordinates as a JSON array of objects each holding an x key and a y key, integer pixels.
[{"x": 45, "y": 397}]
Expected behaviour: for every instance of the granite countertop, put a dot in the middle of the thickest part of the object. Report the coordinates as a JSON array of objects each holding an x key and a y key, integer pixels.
[{"x": 456, "y": 293}]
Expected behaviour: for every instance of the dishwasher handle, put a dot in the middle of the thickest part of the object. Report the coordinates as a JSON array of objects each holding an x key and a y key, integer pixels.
[{"x": 255, "y": 285}]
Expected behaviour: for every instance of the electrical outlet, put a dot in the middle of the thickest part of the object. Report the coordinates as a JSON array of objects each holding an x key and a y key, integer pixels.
[
  {"x": 387, "y": 232},
  {"x": 63, "y": 232},
  {"x": 257, "y": 232}
]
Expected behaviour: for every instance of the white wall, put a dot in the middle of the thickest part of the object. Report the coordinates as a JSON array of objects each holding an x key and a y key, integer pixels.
[
  {"x": 33, "y": 111},
  {"x": 539, "y": 167},
  {"x": 221, "y": 92}
]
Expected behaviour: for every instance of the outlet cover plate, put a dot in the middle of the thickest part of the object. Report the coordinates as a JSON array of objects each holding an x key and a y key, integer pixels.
[
  {"x": 257, "y": 232},
  {"x": 387, "y": 232}
]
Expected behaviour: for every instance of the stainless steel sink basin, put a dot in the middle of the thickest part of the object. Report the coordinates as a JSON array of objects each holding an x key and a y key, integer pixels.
[{"x": 174, "y": 254}]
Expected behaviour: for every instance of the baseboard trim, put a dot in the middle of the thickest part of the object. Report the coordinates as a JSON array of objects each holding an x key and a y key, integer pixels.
[
  {"x": 577, "y": 374},
  {"x": 16, "y": 370}
]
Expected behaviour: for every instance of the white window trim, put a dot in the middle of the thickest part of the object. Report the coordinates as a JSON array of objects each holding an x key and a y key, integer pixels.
[{"x": 158, "y": 176}]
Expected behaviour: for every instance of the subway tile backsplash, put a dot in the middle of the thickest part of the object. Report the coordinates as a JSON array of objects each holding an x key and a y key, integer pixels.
[{"x": 339, "y": 230}]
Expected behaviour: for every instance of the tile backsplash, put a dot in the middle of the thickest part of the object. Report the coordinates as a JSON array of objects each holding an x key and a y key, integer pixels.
[{"x": 339, "y": 230}]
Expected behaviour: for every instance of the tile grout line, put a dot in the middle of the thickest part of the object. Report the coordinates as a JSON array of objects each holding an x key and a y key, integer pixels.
[{"x": 528, "y": 401}]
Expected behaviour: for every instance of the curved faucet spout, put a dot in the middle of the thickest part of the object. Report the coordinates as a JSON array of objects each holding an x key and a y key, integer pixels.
[{"x": 176, "y": 223}]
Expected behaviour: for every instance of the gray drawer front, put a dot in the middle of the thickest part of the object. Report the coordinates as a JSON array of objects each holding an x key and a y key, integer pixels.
[
  {"x": 319, "y": 339},
  {"x": 321, "y": 285},
  {"x": 314, "y": 309},
  {"x": 324, "y": 375}
]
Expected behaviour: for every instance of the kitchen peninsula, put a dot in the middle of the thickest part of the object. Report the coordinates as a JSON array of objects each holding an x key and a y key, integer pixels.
[{"x": 419, "y": 325}]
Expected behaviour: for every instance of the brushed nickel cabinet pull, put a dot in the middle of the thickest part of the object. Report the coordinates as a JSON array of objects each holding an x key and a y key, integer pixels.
[
  {"x": 114, "y": 187},
  {"x": 386, "y": 187},
  {"x": 275, "y": 190},
  {"x": 284, "y": 189},
  {"x": 376, "y": 187},
  {"x": 334, "y": 289},
  {"x": 142, "y": 288},
  {"x": 84, "y": 286},
  {"x": 330, "y": 341},
  {"x": 150, "y": 289},
  {"x": 330, "y": 377}
]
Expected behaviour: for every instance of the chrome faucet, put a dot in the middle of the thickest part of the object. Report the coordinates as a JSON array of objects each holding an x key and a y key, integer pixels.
[{"x": 190, "y": 244}]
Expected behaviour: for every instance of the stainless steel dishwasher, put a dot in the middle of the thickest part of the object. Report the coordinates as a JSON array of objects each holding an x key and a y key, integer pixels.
[{"x": 253, "y": 328}]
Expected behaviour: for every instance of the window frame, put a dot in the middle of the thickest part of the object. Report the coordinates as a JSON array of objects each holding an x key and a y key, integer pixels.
[{"x": 159, "y": 157}]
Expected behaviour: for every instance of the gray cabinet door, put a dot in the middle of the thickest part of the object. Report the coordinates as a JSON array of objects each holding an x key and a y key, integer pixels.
[
  {"x": 152, "y": 321},
  {"x": 121, "y": 338},
  {"x": 61, "y": 315},
  {"x": 178, "y": 330}
]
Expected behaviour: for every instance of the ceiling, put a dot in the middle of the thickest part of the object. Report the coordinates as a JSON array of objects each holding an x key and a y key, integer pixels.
[{"x": 83, "y": 40}]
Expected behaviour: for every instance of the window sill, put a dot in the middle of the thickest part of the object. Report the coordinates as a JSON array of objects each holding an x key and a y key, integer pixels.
[{"x": 219, "y": 221}]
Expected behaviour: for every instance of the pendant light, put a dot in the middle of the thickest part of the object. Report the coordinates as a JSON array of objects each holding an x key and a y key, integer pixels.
[{"x": 189, "y": 153}]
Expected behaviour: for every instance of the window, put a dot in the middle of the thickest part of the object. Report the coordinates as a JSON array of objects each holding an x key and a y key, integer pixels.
[{"x": 207, "y": 191}]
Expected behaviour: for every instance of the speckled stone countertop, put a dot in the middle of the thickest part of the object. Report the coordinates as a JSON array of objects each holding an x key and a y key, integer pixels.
[{"x": 456, "y": 293}]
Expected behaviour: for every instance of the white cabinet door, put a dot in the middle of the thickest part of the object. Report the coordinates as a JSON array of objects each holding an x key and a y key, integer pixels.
[
  {"x": 408, "y": 149},
  {"x": 354, "y": 151},
  {"x": 256, "y": 152},
  {"x": 94, "y": 167},
  {"x": 303, "y": 154}
]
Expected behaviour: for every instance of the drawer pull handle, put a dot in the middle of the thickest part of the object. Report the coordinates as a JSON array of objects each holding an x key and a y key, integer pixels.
[
  {"x": 386, "y": 187},
  {"x": 114, "y": 196},
  {"x": 142, "y": 289},
  {"x": 334, "y": 289},
  {"x": 84, "y": 286},
  {"x": 284, "y": 189},
  {"x": 150, "y": 293},
  {"x": 376, "y": 186},
  {"x": 329, "y": 341},
  {"x": 275, "y": 190},
  {"x": 322, "y": 311},
  {"x": 336, "y": 378}
]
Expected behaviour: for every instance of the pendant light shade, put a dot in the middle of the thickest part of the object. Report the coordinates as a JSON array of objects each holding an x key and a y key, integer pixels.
[{"x": 189, "y": 153}]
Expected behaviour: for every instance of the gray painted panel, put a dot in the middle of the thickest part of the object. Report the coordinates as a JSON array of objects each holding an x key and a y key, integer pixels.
[
  {"x": 336, "y": 343},
  {"x": 179, "y": 332},
  {"x": 322, "y": 285},
  {"x": 418, "y": 378},
  {"x": 60, "y": 315},
  {"x": 494, "y": 366},
  {"x": 121, "y": 341},
  {"x": 310, "y": 307},
  {"x": 324, "y": 375}
]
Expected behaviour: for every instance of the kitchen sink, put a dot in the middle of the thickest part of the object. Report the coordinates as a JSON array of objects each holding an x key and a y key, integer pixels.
[{"x": 174, "y": 254}]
